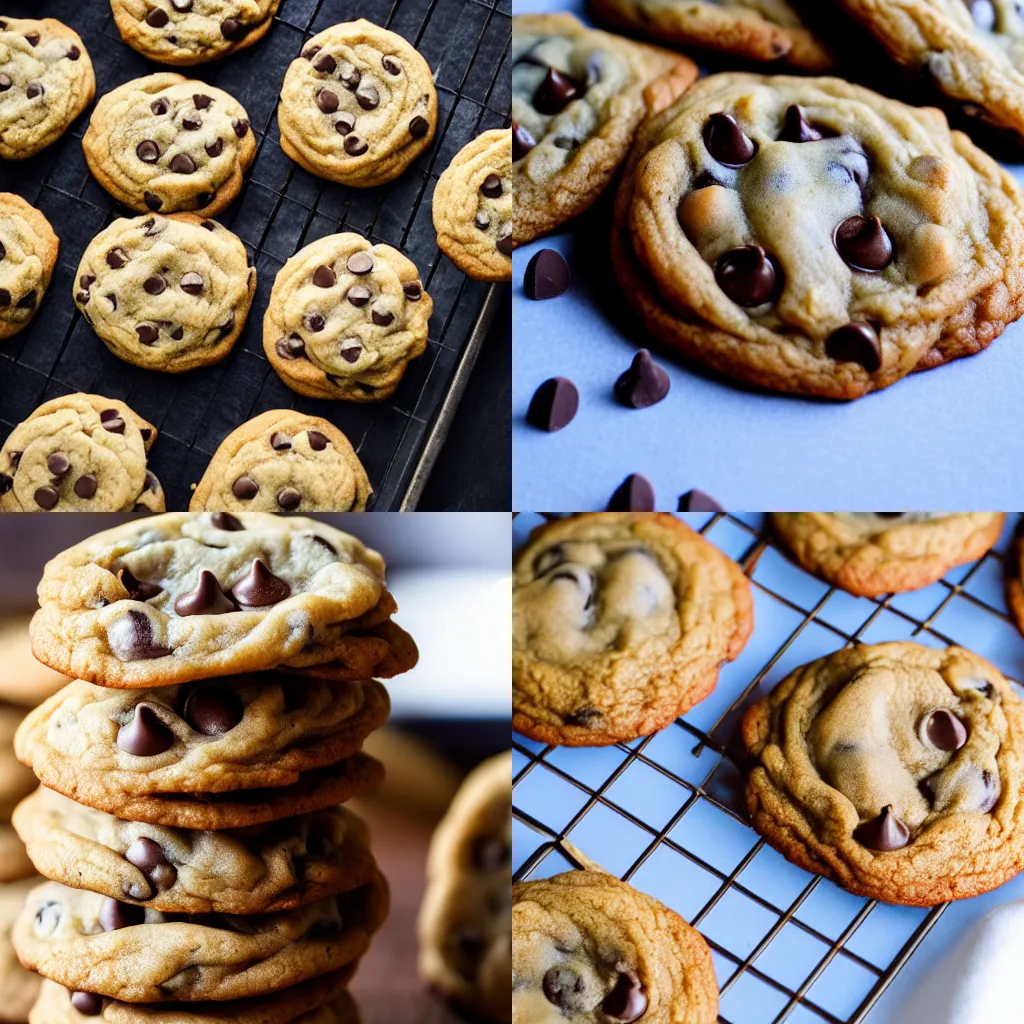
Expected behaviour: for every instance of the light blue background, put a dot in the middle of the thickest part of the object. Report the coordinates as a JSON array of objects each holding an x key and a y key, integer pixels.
[{"x": 948, "y": 438}]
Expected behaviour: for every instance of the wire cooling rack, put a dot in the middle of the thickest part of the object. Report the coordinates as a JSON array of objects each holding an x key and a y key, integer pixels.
[
  {"x": 281, "y": 209},
  {"x": 666, "y": 812}
]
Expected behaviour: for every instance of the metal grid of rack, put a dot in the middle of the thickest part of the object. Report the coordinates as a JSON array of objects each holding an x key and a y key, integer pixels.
[
  {"x": 666, "y": 812},
  {"x": 281, "y": 208}
]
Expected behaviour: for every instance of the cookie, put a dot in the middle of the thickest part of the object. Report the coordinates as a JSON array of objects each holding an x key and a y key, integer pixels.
[
  {"x": 893, "y": 769},
  {"x": 344, "y": 319},
  {"x": 358, "y": 105},
  {"x": 79, "y": 453},
  {"x": 46, "y": 81},
  {"x": 88, "y": 942},
  {"x": 15, "y": 781},
  {"x": 164, "y": 143},
  {"x": 756, "y": 30},
  {"x": 28, "y": 254},
  {"x": 258, "y": 870},
  {"x": 810, "y": 236},
  {"x": 166, "y": 293},
  {"x": 620, "y": 622},
  {"x": 284, "y": 460},
  {"x": 578, "y": 96},
  {"x": 592, "y": 949},
  {"x": 465, "y": 927},
  {"x": 874, "y": 553},
  {"x": 182, "y": 32},
  {"x": 18, "y": 988},
  {"x": 14, "y": 862},
  {"x": 184, "y": 597},
  {"x": 23, "y": 680},
  {"x": 472, "y": 207}
]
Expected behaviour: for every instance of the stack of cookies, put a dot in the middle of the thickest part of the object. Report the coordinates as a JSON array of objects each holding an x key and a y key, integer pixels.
[{"x": 200, "y": 867}]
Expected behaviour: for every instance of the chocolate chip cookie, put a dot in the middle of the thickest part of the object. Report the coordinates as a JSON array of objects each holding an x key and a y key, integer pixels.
[
  {"x": 344, "y": 319},
  {"x": 18, "y": 988},
  {"x": 23, "y": 680},
  {"x": 620, "y": 622},
  {"x": 472, "y": 207},
  {"x": 358, "y": 105},
  {"x": 893, "y": 769},
  {"x": 166, "y": 293},
  {"x": 589, "y": 948},
  {"x": 28, "y": 254},
  {"x": 184, "y": 597},
  {"x": 182, "y": 32},
  {"x": 164, "y": 143},
  {"x": 811, "y": 236},
  {"x": 79, "y": 453},
  {"x": 15, "y": 781},
  {"x": 89, "y": 942},
  {"x": 46, "y": 81},
  {"x": 14, "y": 862},
  {"x": 875, "y": 553},
  {"x": 465, "y": 927},
  {"x": 284, "y": 461},
  {"x": 257, "y": 870},
  {"x": 577, "y": 98}
]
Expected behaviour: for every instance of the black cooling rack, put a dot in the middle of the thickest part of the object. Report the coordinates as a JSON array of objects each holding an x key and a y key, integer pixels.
[{"x": 281, "y": 209}]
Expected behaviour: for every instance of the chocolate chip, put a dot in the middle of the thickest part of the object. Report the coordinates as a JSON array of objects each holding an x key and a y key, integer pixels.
[
  {"x": 382, "y": 317},
  {"x": 310, "y": 52},
  {"x": 351, "y": 350},
  {"x": 241, "y": 127},
  {"x": 6, "y": 483},
  {"x": 992, "y": 790},
  {"x": 418, "y": 127},
  {"x": 943, "y": 730},
  {"x": 260, "y": 588},
  {"x": 280, "y": 441},
  {"x": 491, "y": 186},
  {"x": 482, "y": 220},
  {"x": 855, "y": 343},
  {"x": 213, "y": 710},
  {"x": 182, "y": 163},
  {"x": 489, "y": 854},
  {"x": 627, "y": 1001},
  {"x": 145, "y": 735},
  {"x": 326, "y": 64},
  {"x": 556, "y": 92},
  {"x": 192, "y": 283},
  {"x": 289, "y": 499},
  {"x": 153, "y": 227},
  {"x": 318, "y": 442},
  {"x": 87, "y": 1003},
  {"x": 360, "y": 262},
  {"x": 705, "y": 180},
  {"x": 148, "y": 334},
  {"x": 505, "y": 245},
  {"x": 152, "y": 484},
  {"x": 112, "y": 420},
  {"x": 354, "y": 145},
  {"x": 553, "y": 405},
  {"x": 138, "y": 590},
  {"x": 291, "y": 347},
  {"x": 368, "y": 98},
  {"x": 886, "y": 832},
  {"x": 191, "y": 122},
  {"x": 747, "y": 275},
  {"x": 563, "y": 987},
  {"x": 207, "y": 599},
  {"x": 323, "y": 277},
  {"x": 226, "y": 521},
  {"x": 154, "y": 285},
  {"x": 46, "y": 497},
  {"x": 204, "y": 199},
  {"x": 350, "y": 76},
  {"x": 245, "y": 488},
  {"x": 227, "y": 327},
  {"x": 157, "y": 18},
  {"x": 152, "y": 202},
  {"x": 5, "y": 298},
  {"x": 116, "y": 258},
  {"x": 327, "y": 101},
  {"x": 34, "y": 90},
  {"x": 58, "y": 464},
  {"x": 232, "y": 29},
  {"x": 315, "y": 322},
  {"x": 201, "y": 101},
  {"x": 159, "y": 106},
  {"x": 148, "y": 856},
  {"x": 27, "y": 301},
  {"x": 85, "y": 486},
  {"x": 413, "y": 290},
  {"x": 132, "y": 638},
  {"x": 390, "y": 65},
  {"x": 634, "y": 494},
  {"x": 214, "y": 149},
  {"x": 5, "y": 82},
  {"x": 115, "y": 915},
  {"x": 184, "y": 6},
  {"x": 644, "y": 384},
  {"x": 32, "y": 38},
  {"x": 864, "y": 244},
  {"x": 726, "y": 141},
  {"x": 345, "y": 123},
  {"x": 86, "y": 281},
  {"x": 547, "y": 275},
  {"x": 359, "y": 295},
  {"x": 148, "y": 151},
  {"x": 795, "y": 127},
  {"x": 522, "y": 142},
  {"x": 74, "y": 53},
  {"x": 698, "y": 501}
]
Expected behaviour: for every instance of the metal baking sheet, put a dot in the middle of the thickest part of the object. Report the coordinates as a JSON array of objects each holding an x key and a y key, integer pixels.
[{"x": 281, "y": 209}]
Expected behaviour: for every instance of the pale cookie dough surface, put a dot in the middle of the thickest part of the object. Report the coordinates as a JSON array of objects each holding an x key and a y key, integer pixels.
[
  {"x": 465, "y": 922},
  {"x": 14, "y": 862},
  {"x": 284, "y": 460},
  {"x": 358, "y": 105},
  {"x": 23, "y": 680},
  {"x": 591, "y": 949},
  {"x": 345, "y": 318},
  {"x": 182, "y": 32},
  {"x": 18, "y": 988},
  {"x": 164, "y": 143},
  {"x": 16, "y": 781},
  {"x": 811, "y": 236},
  {"x": 79, "y": 453},
  {"x": 46, "y": 81},
  {"x": 89, "y": 942},
  {"x": 472, "y": 207},
  {"x": 217, "y": 594},
  {"x": 578, "y": 96},
  {"x": 28, "y": 254},
  {"x": 620, "y": 622},
  {"x": 893, "y": 769},
  {"x": 166, "y": 293},
  {"x": 875, "y": 553}
]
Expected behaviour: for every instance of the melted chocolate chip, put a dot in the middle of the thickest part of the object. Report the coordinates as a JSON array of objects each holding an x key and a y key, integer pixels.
[
  {"x": 191, "y": 122},
  {"x": 360, "y": 262},
  {"x": 201, "y": 101},
  {"x": 241, "y": 127},
  {"x": 260, "y": 588},
  {"x": 46, "y": 497},
  {"x": 943, "y": 730},
  {"x": 152, "y": 202},
  {"x": 192, "y": 283},
  {"x": 359, "y": 295},
  {"x": 522, "y": 142},
  {"x": 245, "y": 488},
  {"x": 350, "y": 350},
  {"x": 644, "y": 384},
  {"x": 115, "y": 915},
  {"x": 368, "y": 98},
  {"x": 382, "y": 317},
  {"x": 232, "y": 29},
  {"x": 326, "y": 64},
  {"x": 131, "y": 637},
  {"x": 289, "y": 499},
  {"x": 554, "y": 404},
  {"x": 855, "y": 343},
  {"x": 58, "y": 464},
  {"x": 634, "y": 494},
  {"x": 350, "y": 76},
  {"x": 323, "y": 277},
  {"x": 291, "y": 347},
  {"x": 148, "y": 856},
  {"x": 214, "y": 149},
  {"x": 74, "y": 53},
  {"x": 207, "y": 599},
  {"x": 556, "y": 92},
  {"x": 886, "y": 832},
  {"x": 154, "y": 285},
  {"x": 280, "y": 441},
  {"x": 5, "y": 82},
  {"x": 116, "y": 258},
  {"x": 864, "y": 244},
  {"x": 491, "y": 186},
  {"x": 213, "y": 710},
  {"x": 86, "y": 486},
  {"x": 413, "y": 290},
  {"x": 747, "y": 275},
  {"x": 327, "y": 101},
  {"x": 138, "y": 590},
  {"x": 627, "y": 1001},
  {"x": 726, "y": 141},
  {"x": 182, "y": 163},
  {"x": 315, "y": 322},
  {"x": 157, "y": 18},
  {"x": 87, "y": 1003},
  {"x": 145, "y": 735},
  {"x": 112, "y": 420},
  {"x": 148, "y": 151},
  {"x": 390, "y": 65},
  {"x": 345, "y": 123},
  {"x": 226, "y": 521},
  {"x": 795, "y": 127},
  {"x": 34, "y": 90},
  {"x": 318, "y": 442},
  {"x": 6, "y": 483},
  {"x": 355, "y": 146},
  {"x": 148, "y": 334}
]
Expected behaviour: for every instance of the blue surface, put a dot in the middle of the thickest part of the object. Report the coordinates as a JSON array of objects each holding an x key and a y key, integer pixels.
[
  {"x": 945, "y": 438},
  {"x": 704, "y": 845}
]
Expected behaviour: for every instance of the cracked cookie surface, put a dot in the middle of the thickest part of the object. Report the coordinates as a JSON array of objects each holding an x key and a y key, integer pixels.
[
  {"x": 893, "y": 769},
  {"x": 344, "y": 319},
  {"x": 28, "y": 255},
  {"x": 284, "y": 461},
  {"x": 620, "y": 622},
  {"x": 358, "y": 105},
  {"x": 165, "y": 143},
  {"x": 811, "y": 236}
]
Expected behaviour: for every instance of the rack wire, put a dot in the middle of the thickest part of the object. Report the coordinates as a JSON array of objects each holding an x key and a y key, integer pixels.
[
  {"x": 281, "y": 208},
  {"x": 700, "y": 759}
]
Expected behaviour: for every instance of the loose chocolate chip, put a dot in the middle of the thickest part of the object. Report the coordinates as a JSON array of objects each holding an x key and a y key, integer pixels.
[
  {"x": 292, "y": 347},
  {"x": 698, "y": 501},
  {"x": 726, "y": 141},
  {"x": 85, "y": 486},
  {"x": 556, "y": 92},
  {"x": 152, "y": 202},
  {"x": 289, "y": 499},
  {"x": 491, "y": 186},
  {"x": 354, "y": 145},
  {"x": 350, "y": 76},
  {"x": 87, "y": 1003},
  {"x": 368, "y": 98},
  {"x": 327, "y": 101},
  {"x": 943, "y": 730},
  {"x": 148, "y": 856},
  {"x": 112, "y": 420},
  {"x": 795, "y": 127},
  {"x": 644, "y": 384},
  {"x": 886, "y": 832},
  {"x": 864, "y": 244},
  {"x": 489, "y": 854},
  {"x": 148, "y": 334},
  {"x": 418, "y": 127},
  {"x": 58, "y": 464},
  {"x": 855, "y": 343},
  {"x": 746, "y": 275},
  {"x": 326, "y": 64},
  {"x": 6, "y": 483},
  {"x": 315, "y": 322},
  {"x": 5, "y": 298},
  {"x": 505, "y": 245},
  {"x": 522, "y": 142},
  {"x": 159, "y": 107},
  {"x": 115, "y": 915},
  {"x": 564, "y": 988},
  {"x": 351, "y": 350},
  {"x": 553, "y": 405},
  {"x": 192, "y": 283},
  {"x": 5, "y": 82},
  {"x": 413, "y": 290},
  {"x": 360, "y": 262},
  {"x": 74, "y": 53},
  {"x": 382, "y": 317},
  {"x": 547, "y": 275},
  {"x": 345, "y": 123},
  {"x": 201, "y": 101},
  {"x": 116, "y": 259},
  {"x": 148, "y": 151},
  {"x": 390, "y": 65},
  {"x": 157, "y": 18},
  {"x": 27, "y": 301},
  {"x": 634, "y": 494},
  {"x": 323, "y": 277},
  {"x": 318, "y": 442},
  {"x": 359, "y": 295},
  {"x": 182, "y": 163},
  {"x": 191, "y": 122},
  {"x": 144, "y": 736},
  {"x": 154, "y": 285},
  {"x": 226, "y": 521},
  {"x": 241, "y": 127},
  {"x": 213, "y": 710},
  {"x": 232, "y": 29},
  {"x": 138, "y": 590},
  {"x": 46, "y": 497},
  {"x": 245, "y": 488},
  {"x": 207, "y": 599},
  {"x": 260, "y": 588},
  {"x": 627, "y": 1001}
]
